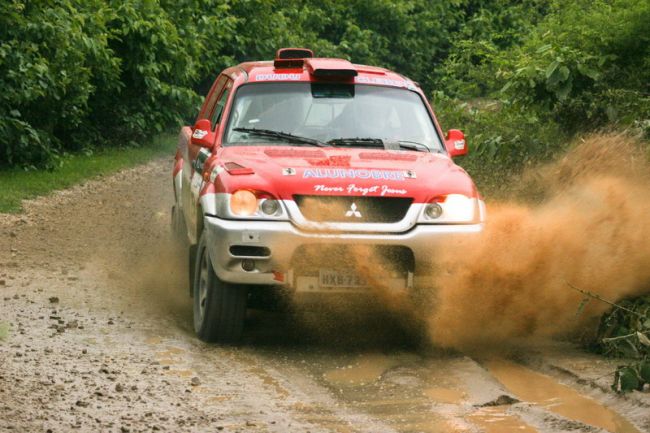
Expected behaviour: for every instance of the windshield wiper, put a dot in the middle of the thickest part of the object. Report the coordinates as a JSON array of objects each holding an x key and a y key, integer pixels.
[
  {"x": 283, "y": 135},
  {"x": 378, "y": 142},
  {"x": 357, "y": 141},
  {"x": 414, "y": 145}
]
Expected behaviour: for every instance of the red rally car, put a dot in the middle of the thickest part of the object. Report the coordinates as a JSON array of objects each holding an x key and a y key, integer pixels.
[{"x": 295, "y": 162}]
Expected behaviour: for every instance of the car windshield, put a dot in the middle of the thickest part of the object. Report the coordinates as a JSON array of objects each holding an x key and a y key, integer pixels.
[{"x": 329, "y": 112}]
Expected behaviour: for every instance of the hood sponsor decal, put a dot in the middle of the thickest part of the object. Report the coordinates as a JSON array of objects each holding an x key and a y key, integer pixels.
[
  {"x": 342, "y": 173},
  {"x": 288, "y": 171},
  {"x": 381, "y": 190}
]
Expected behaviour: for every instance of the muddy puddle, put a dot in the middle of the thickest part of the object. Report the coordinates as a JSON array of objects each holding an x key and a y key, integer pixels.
[
  {"x": 553, "y": 396},
  {"x": 496, "y": 420},
  {"x": 366, "y": 369},
  {"x": 445, "y": 395}
]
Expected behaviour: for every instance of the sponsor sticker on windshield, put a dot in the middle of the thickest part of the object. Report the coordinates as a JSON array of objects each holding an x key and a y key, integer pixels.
[{"x": 277, "y": 77}]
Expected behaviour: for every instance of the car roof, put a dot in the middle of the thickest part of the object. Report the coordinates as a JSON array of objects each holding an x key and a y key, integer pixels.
[{"x": 317, "y": 69}]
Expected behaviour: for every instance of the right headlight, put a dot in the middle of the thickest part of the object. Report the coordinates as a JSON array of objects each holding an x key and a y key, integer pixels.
[{"x": 452, "y": 209}]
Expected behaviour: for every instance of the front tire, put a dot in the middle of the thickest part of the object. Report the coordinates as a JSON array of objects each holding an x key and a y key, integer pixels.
[{"x": 219, "y": 307}]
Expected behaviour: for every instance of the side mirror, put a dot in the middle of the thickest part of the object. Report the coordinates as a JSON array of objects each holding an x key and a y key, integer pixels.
[
  {"x": 202, "y": 134},
  {"x": 455, "y": 143}
]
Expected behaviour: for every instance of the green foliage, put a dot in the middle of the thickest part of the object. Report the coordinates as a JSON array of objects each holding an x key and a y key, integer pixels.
[
  {"x": 502, "y": 139},
  {"x": 51, "y": 58},
  {"x": 625, "y": 332},
  {"x": 523, "y": 78},
  {"x": 81, "y": 74},
  {"x": 490, "y": 28},
  {"x": 587, "y": 62},
  {"x": 78, "y": 74}
]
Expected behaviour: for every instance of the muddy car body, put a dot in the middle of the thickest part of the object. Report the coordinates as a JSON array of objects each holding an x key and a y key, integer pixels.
[{"x": 294, "y": 163}]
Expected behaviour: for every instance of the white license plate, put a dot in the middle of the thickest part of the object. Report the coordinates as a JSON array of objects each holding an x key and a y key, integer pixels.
[{"x": 328, "y": 278}]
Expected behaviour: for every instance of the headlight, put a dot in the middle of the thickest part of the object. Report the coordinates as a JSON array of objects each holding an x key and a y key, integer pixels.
[
  {"x": 243, "y": 203},
  {"x": 270, "y": 206},
  {"x": 249, "y": 204},
  {"x": 451, "y": 209}
]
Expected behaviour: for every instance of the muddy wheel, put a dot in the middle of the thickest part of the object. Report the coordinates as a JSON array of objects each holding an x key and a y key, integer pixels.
[
  {"x": 178, "y": 225},
  {"x": 219, "y": 307}
]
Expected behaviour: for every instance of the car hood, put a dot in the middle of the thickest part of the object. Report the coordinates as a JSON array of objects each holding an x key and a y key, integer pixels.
[{"x": 286, "y": 171}]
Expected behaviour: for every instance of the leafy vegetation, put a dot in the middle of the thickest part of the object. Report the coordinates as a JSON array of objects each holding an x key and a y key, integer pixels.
[
  {"x": 520, "y": 76},
  {"x": 523, "y": 79},
  {"x": 625, "y": 332}
]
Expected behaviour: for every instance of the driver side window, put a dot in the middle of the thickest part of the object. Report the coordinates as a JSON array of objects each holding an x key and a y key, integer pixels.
[
  {"x": 214, "y": 105},
  {"x": 219, "y": 106}
]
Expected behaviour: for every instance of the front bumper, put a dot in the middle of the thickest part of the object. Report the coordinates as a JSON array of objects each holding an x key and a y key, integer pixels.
[{"x": 279, "y": 241}]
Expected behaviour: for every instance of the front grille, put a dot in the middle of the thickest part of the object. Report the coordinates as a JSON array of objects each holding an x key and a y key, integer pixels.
[{"x": 351, "y": 209}]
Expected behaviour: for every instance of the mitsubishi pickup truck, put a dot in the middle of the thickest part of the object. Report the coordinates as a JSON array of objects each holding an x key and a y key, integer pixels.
[{"x": 295, "y": 162}]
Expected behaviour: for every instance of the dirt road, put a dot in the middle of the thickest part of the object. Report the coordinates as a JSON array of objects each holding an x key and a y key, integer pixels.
[{"x": 95, "y": 335}]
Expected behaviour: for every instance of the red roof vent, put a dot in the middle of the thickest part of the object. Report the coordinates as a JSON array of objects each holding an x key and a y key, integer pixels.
[
  {"x": 335, "y": 68},
  {"x": 288, "y": 58}
]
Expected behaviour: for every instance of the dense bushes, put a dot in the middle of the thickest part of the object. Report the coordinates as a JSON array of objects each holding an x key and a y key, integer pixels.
[
  {"x": 80, "y": 74},
  {"x": 52, "y": 60},
  {"x": 556, "y": 69}
]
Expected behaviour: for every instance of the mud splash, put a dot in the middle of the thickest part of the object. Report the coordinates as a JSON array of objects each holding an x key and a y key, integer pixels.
[{"x": 584, "y": 222}]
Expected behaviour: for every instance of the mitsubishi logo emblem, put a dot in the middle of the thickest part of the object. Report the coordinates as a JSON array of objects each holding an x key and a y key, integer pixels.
[{"x": 353, "y": 211}]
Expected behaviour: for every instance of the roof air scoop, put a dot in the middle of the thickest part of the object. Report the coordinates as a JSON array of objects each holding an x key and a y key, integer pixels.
[
  {"x": 331, "y": 68},
  {"x": 287, "y": 58}
]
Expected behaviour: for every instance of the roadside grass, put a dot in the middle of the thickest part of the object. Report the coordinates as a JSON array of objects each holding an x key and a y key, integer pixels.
[{"x": 17, "y": 185}]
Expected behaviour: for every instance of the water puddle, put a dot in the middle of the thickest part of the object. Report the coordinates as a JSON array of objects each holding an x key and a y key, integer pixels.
[
  {"x": 171, "y": 350},
  {"x": 495, "y": 420},
  {"x": 218, "y": 399},
  {"x": 153, "y": 340},
  {"x": 181, "y": 373},
  {"x": 367, "y": 369},
  {"x": 169, "y": 356},
  {"x": 445, "y": 395},
  {"x": 436, "y": 426},
  {"x": 553, "y": 396}
]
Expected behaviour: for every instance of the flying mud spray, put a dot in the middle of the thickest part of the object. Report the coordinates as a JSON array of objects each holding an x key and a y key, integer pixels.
[{"x": 588, "y": 227}]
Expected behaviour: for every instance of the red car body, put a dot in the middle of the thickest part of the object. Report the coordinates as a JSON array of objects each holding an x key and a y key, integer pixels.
[{"x": 244, "y": 203}]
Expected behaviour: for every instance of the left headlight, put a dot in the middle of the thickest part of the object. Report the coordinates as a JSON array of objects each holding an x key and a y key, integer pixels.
[
  {"x": 452, "y": 209},
  {"x": 249, "y": 204}
]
